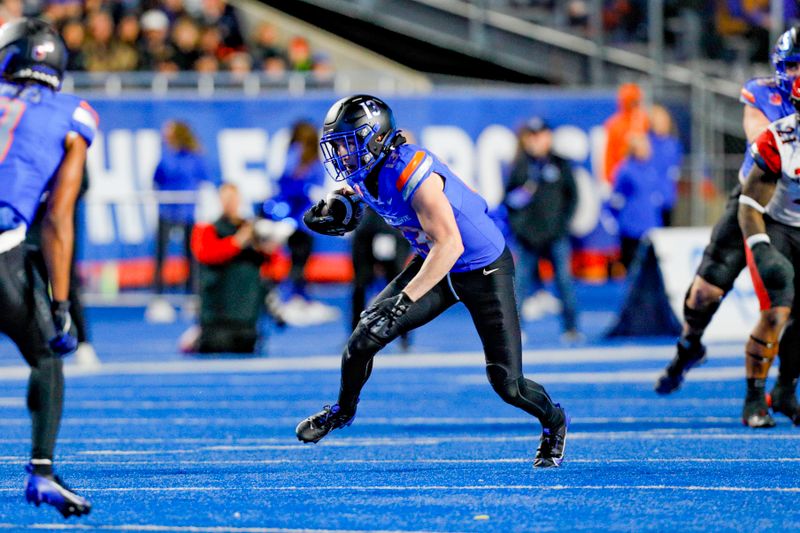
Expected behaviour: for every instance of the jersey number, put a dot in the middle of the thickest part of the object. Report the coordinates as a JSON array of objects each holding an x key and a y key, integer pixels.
[{"x": 12, "y": 113}]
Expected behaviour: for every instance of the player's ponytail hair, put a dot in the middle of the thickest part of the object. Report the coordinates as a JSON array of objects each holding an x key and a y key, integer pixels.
[{"x": 183, "y": 138}]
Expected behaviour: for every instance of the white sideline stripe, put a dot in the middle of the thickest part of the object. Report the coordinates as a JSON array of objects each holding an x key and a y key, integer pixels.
[
  {"x": 222, "y": 444},
  {"x": 726, "y": 373},
  {"x": 378, "y": 421},
  {"x": 155, "y": 405},
  {"x": 333, "y": 362},
  {"x": 190, "y": 529},
  {"x": 513, "y": 460},
  {"x": 12, "y": 402},
  {"x": 436, "y": 488}
]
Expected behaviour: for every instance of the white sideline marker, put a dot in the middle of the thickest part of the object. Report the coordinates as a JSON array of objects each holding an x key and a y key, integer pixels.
[{"x": 536, "y": 358}]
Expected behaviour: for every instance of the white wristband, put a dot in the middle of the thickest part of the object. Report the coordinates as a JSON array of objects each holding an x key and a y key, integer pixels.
[
  {"x": 749, "y": 202},
  {"x": 752, "y": 240}
]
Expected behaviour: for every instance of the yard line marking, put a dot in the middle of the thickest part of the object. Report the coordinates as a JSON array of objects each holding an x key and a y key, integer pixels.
[
  {"x": 333, "y": 362},
  {"x": 381, "y": 421},
  {"x": 155, "y": 405},
  {"x": 189, "y": 529},
  {"x": 378, "y": 421},
  {"x": 510, "y": 460},
  {"x": 258, "y": 444},
  {"x": 726, "y": 373},
  {"x": 456, "y": 488}
]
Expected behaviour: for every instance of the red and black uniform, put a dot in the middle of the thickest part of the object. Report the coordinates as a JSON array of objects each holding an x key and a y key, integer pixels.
[{"x": 231, "y": 290}]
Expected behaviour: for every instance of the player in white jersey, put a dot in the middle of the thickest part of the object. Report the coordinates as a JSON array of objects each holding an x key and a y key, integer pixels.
[{"x": 769, "y": 216}]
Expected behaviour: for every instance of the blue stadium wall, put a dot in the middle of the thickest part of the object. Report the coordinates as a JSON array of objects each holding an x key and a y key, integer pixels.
[{"x": 244, "y": 141}]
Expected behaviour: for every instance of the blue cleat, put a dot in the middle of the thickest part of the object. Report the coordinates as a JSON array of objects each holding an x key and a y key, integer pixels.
[
  {"x": 313, "y": 428},
  {"x": 52, "y": 491},
  {"x": 552, "y": 444}
]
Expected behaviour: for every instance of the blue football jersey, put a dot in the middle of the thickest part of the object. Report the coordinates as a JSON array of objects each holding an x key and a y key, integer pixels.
[
  {"x": 764, "y": 95},
  {"x": 34, "y": 125},
  {"x": 406, "y": 167}
]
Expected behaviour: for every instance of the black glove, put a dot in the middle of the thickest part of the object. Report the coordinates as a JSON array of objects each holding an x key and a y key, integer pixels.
[
  {"x": 324, "y": 224},
  {"x": 64, "y": 342},
  {"x": 381, "y": 318}
]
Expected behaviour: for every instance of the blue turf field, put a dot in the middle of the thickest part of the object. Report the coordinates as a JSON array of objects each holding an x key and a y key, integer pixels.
[{"x": 159, "y": 443}]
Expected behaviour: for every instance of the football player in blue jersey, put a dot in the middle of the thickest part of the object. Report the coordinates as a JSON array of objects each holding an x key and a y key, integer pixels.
[
  {"x": 765, "y": 100},
  {"x": 44, "y": 135},
  {"x": 460, "y": 256}
]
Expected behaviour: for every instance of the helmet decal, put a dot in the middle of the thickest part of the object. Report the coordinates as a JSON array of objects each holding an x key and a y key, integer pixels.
[{"x": 32, "y": 50}]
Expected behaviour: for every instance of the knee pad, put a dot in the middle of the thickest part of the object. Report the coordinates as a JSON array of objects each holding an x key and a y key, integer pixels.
[
  {"x": 362, "y": 344},
  {"x": 698, "y": 319},
  {"x": 773, "y": 276}
]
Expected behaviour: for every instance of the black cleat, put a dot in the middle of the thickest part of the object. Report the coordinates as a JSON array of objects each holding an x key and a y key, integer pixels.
[
  {"x": 783, "y": 399},
  {"x": 755, "y": 414},
  {"x": 688, "y": 356},
  {"x": 552, "y": 444},
  {"x": 313, "y": 428},
  {"x": 52, "y": 491}
]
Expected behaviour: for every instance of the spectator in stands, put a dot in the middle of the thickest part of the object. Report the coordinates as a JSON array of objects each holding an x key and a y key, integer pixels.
[
  {"x": 231, "y": 253},
  {"x": 59, "y": 11},
  {"x": 667, "y": 157},
  {"x": 10, "y": 10},
  {"x": 274, "y": 66},
  {"x": 757, "y": 18},
  {"x": 299, "y": 55},
  {"x": 322, "y": 67},
  {"x": 636, "y": 199},
  {"x": 74, "y": 35},
  {"x": 300, "y": 184},
  {"x": 207, "y": 64},
  {"x": 265, "y": 44},
  {"x": 578, "y": 16},
  {"x": 178, "y": 175},
  {"x": 222, "y": 15},
  {"x": 156, "y": 53},
  {"x": 104, "y": 52},
  {"x": 625, "y": 20},
  {"x": 128, "y": 30},
  {"x": 239, "y": 64},
  {"x": 211, "y": 43},
  {"x": 630, "y": 119},
  {"x": 185, "y": 39},
  {"x": 541, "y": 197},
  {"x": 174, "y": 9}
]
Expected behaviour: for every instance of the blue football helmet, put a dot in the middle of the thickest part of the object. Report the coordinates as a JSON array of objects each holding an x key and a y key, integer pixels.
[
  {"x": 787, "y": 49},
  {"x": 357, "y": 134}
]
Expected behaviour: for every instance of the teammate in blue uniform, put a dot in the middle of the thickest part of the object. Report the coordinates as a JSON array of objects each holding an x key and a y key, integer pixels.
[
  {"x": 460, "y": 256},
  {"x": 765, "y": 100},
  {"x": 44, "y": 136}
]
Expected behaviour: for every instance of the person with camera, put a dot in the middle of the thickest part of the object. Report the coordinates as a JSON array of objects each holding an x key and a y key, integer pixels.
[{"x": 231, "y": 252}]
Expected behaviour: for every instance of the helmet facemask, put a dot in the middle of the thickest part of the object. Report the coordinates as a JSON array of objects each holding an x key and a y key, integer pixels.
[{"x": 347, "y": 155}]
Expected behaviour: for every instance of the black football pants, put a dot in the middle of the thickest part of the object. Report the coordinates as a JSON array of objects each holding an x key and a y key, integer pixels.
[
  {"x": 488, "y": 294},
  {"x": 26, "y": 319}
]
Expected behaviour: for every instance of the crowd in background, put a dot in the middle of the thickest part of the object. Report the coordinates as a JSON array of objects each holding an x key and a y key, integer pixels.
[
  {"x": 727, "y": 29},
  {"x": 169, "y": 36}
]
